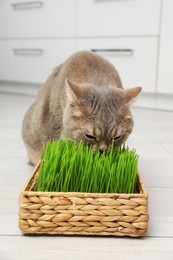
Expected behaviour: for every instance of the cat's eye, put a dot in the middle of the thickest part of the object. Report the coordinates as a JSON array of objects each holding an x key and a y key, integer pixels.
[
  {"x": 90, "y": 137},
  {"x": 116, "y": 138}
]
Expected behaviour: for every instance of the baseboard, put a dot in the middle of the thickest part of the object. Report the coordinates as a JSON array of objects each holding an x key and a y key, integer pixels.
[
  {"x": 155, "y": 101},
  {"x": 19, "y": 88},
  {"x": 145, "y": 100}
]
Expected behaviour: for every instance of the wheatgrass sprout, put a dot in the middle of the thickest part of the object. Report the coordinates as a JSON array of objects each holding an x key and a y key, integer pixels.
[{"x": 70, "y": 167}]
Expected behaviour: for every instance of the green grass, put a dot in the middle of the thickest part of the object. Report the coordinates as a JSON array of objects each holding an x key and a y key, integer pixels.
[{"x": 70, "y": 167}]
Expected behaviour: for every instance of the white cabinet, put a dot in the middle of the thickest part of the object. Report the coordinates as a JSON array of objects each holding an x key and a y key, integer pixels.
[
  {"x": 165, "y": 75},
  {"x": 35, "y": 36},
  {"x": 35, "y": 19},
  {"x": 32, "y": 61},
  {"x": 118, "y": 17},
  {"x": 126, "y": 32},
  {"x": 135, "y": 58}
]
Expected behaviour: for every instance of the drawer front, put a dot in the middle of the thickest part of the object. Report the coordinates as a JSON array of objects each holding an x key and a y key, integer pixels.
[
  {"x": 134, "y": 58},
  {"x": 32, "y": 60},
  {"x": 44, "y": 18},
  {"x": 165, "y": 77},
  {"x": 118, "y": 17}
]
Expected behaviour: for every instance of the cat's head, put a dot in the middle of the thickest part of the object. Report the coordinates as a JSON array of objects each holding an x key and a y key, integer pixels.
[{"x": 98, "y": 115}]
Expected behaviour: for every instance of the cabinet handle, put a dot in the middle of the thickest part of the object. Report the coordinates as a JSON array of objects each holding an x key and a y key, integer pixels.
[
  {"x": 27, "y": 52},
  {"x": 27, "y": 5},
  {"x": 104, "y": 1},
  {"x": 114, "y": 52}
]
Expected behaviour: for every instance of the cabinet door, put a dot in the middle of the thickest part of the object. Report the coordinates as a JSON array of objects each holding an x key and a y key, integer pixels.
[
  {"x": 117, "y": 17},
  {"x": 32, "y": 61},
  {"x": 134, "y": 58},
  {"x": 165, "y": 75},
  {"x": 43, "y": 18}
]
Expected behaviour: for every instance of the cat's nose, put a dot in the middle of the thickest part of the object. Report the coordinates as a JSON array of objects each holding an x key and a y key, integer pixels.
[{"x": 103, "y": 147}]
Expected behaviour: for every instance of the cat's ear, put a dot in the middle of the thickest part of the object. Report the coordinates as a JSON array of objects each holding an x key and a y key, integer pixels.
[
  {"x": 74, "y": 89},
  {"x": 131, "y": 93}
]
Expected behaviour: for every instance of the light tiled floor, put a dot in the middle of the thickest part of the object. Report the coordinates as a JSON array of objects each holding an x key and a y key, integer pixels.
[{"x": 153, "y": 140}]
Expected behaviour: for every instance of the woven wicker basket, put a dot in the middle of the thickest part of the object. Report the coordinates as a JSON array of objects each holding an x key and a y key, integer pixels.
[{"x": 74, "y": 213}]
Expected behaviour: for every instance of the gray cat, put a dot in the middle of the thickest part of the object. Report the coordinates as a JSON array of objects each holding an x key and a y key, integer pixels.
[{"x": 83, "y": 99}]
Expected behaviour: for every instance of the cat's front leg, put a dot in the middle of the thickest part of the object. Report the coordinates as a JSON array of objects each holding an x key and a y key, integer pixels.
[{"x": 33, "y": 155}]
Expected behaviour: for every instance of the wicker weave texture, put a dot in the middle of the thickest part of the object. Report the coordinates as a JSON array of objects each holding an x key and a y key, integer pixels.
[{"x": 83, "y": 213}]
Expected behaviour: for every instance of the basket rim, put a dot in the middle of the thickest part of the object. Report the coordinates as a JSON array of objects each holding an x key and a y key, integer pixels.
[{"x": 27, "y": 189}]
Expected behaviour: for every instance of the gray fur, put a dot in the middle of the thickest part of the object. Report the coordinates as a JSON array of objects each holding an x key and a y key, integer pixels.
[{"x": 83, "y": 96}]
